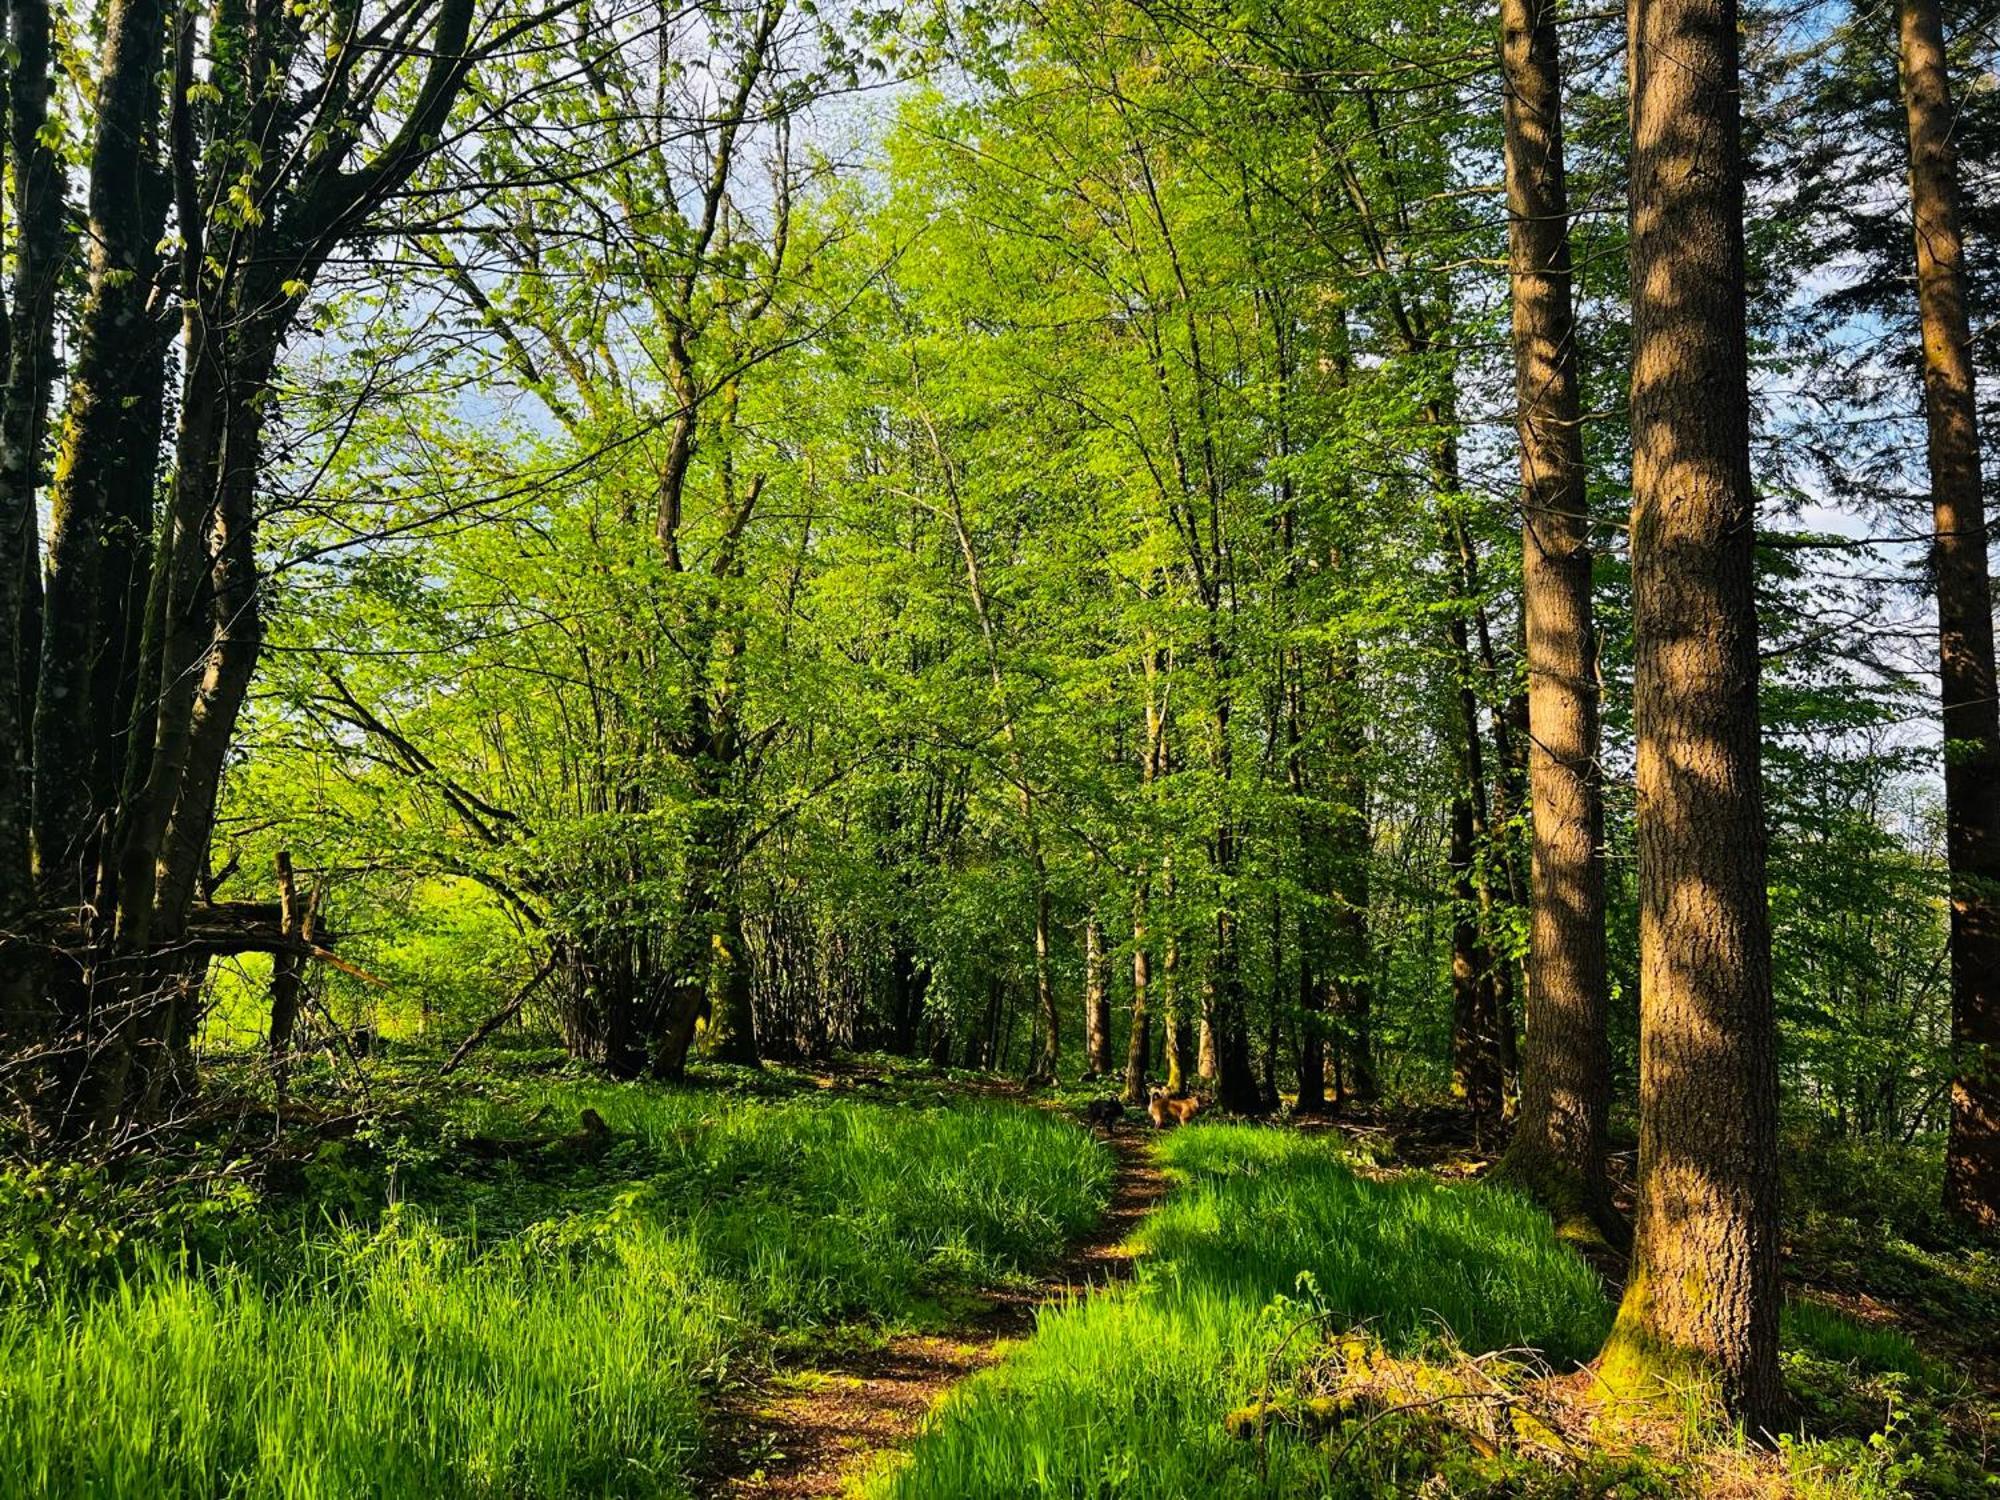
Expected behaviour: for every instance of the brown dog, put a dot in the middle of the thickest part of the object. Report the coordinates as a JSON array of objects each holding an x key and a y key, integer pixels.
[{"x": 1168, "y": 1110}]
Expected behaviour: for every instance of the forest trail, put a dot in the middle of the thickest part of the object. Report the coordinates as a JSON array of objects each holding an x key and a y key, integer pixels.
[{"x": 816, "y": 1430}]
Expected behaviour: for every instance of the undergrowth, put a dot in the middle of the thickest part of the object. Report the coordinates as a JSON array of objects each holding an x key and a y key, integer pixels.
[
  {"x": 1300, "y": 1328},
  {"x": 491, "y": 1300}
]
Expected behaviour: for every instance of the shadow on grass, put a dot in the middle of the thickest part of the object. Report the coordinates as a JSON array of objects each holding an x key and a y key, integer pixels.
[{"x": 1266, "y": 1237}]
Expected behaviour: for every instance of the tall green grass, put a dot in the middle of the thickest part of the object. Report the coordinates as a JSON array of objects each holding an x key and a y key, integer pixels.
[
  {"x": 824, "y": 1209},
  {"x": 565, "y": 1346},
  {"x": 407, "y": 1368},
  {"x": 1266, "y": 1237}
]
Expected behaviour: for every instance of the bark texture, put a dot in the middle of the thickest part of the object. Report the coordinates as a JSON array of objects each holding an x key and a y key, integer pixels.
[
  {"x": 28, "y": 362},
  {"x": 1557, "y": 1151},
  {"x": 1965, "y": 623},
  {"x": 1702, "y": 1298}
]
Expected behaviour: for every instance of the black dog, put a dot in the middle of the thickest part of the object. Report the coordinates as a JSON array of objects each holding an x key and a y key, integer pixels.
[{"x": 1107, "y": 1112}]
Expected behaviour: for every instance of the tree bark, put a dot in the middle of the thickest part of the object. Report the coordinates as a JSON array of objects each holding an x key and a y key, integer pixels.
[
  {"x": 1179, "y": 1049},
  {"x": 287, "y": 972},
  {"x": 1096, "y": 1000},
  {"x": 1048, "y": 1013},
  {"x": 1558, "y": 1149},
  {"x": 1701, "y": 1302},
  {"x": 27, "y": 342},
  {"x": 732, "y": 1035},
  {"x": 1139, "y": 1042},
  {"x": 1351, "y": 851},
  {"x": 101, "y": 499},
  {"x": 1965, "y": 623},
  {"x": 1475, "y": 1050}
]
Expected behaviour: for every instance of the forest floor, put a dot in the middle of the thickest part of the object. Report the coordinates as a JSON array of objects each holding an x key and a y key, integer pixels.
[
  {"x": 867, "y": 1276},
  {"x": 818, "y": 1426}
]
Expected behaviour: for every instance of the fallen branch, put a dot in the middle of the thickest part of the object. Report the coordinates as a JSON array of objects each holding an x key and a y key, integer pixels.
[{"x": 499, "y": 1017}]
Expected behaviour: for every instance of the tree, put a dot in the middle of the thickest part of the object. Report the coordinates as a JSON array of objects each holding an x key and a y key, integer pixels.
[
  {"x": 1557, "y": 1151},
  {"x": 1971, "y": 714},
  {"x": 1702, "y": 1296},
  {"x": 277, "y": 153}
]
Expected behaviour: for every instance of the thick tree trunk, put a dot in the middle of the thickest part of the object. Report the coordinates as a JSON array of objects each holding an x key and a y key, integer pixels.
[
  {"x": 1965, "y": 624},
  {"x": 1558, "y": 1149},
  {"x": 101, "y": 498},
  {"x": 1701, "y": 1302}
]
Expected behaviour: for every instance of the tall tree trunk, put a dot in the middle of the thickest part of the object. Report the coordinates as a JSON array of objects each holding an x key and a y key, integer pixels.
[
  {"x": 1096, "y": 1000},
  {"x": 1478, "y": 1066},
  {"x": 1965, "y": 624},
  {"x": 1558, "y": 1149},
  {"x": 1475, "y": 1050},
  {"x": 1138, "y": 1043},
  {"x": 1701, "y": 1301},
  {"x": 101, "y": 498},
  {"x": 1179, "y": 1042},
  {"x": 1312, "y": 1041},
  {"x": 1350, "y": 850},
  {"x": 27, "y": 351},
  {"x": 1225, "y": 1039},
  {"x": 1048, "y": 1013},
  {"x": 1152, "y": 764}
]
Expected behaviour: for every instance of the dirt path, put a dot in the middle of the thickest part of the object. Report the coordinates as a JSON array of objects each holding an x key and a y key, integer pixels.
[{"x": 813, "y": 1431}]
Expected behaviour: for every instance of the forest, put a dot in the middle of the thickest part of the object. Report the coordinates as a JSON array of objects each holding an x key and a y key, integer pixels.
[{"x": 966, "y": 749}]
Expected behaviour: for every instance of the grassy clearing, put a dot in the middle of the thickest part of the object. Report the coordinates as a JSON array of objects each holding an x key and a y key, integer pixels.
[
  {"x": 430, "y": 1311},
  {"x": 1256, "y": 1275}
]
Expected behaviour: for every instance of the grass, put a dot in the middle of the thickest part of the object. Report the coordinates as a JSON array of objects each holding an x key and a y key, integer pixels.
[
  {"x": 1267, "y": 1241},
  {"x": 451, "y": 1306},
  {"x": 484, "y": 1299},
  {"x": 1277, "y": 1273}
]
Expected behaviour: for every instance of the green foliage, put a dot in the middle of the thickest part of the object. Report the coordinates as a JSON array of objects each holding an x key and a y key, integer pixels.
[
  {"x": 1867, "y": 1217},
  {"x": 1885, "y": 1423},
  {"x": 1274, "y": 1263},
  {"x": 65, "y": 1225},
  {"x": 404, "y": 1365}
]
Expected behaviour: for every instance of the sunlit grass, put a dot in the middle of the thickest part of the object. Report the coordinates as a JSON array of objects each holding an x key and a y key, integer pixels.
[
  {"x": 1266, "y": 1239},
  {"x": 399, "y": 1352},
  {"x": 1268, "y": 1247}
]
